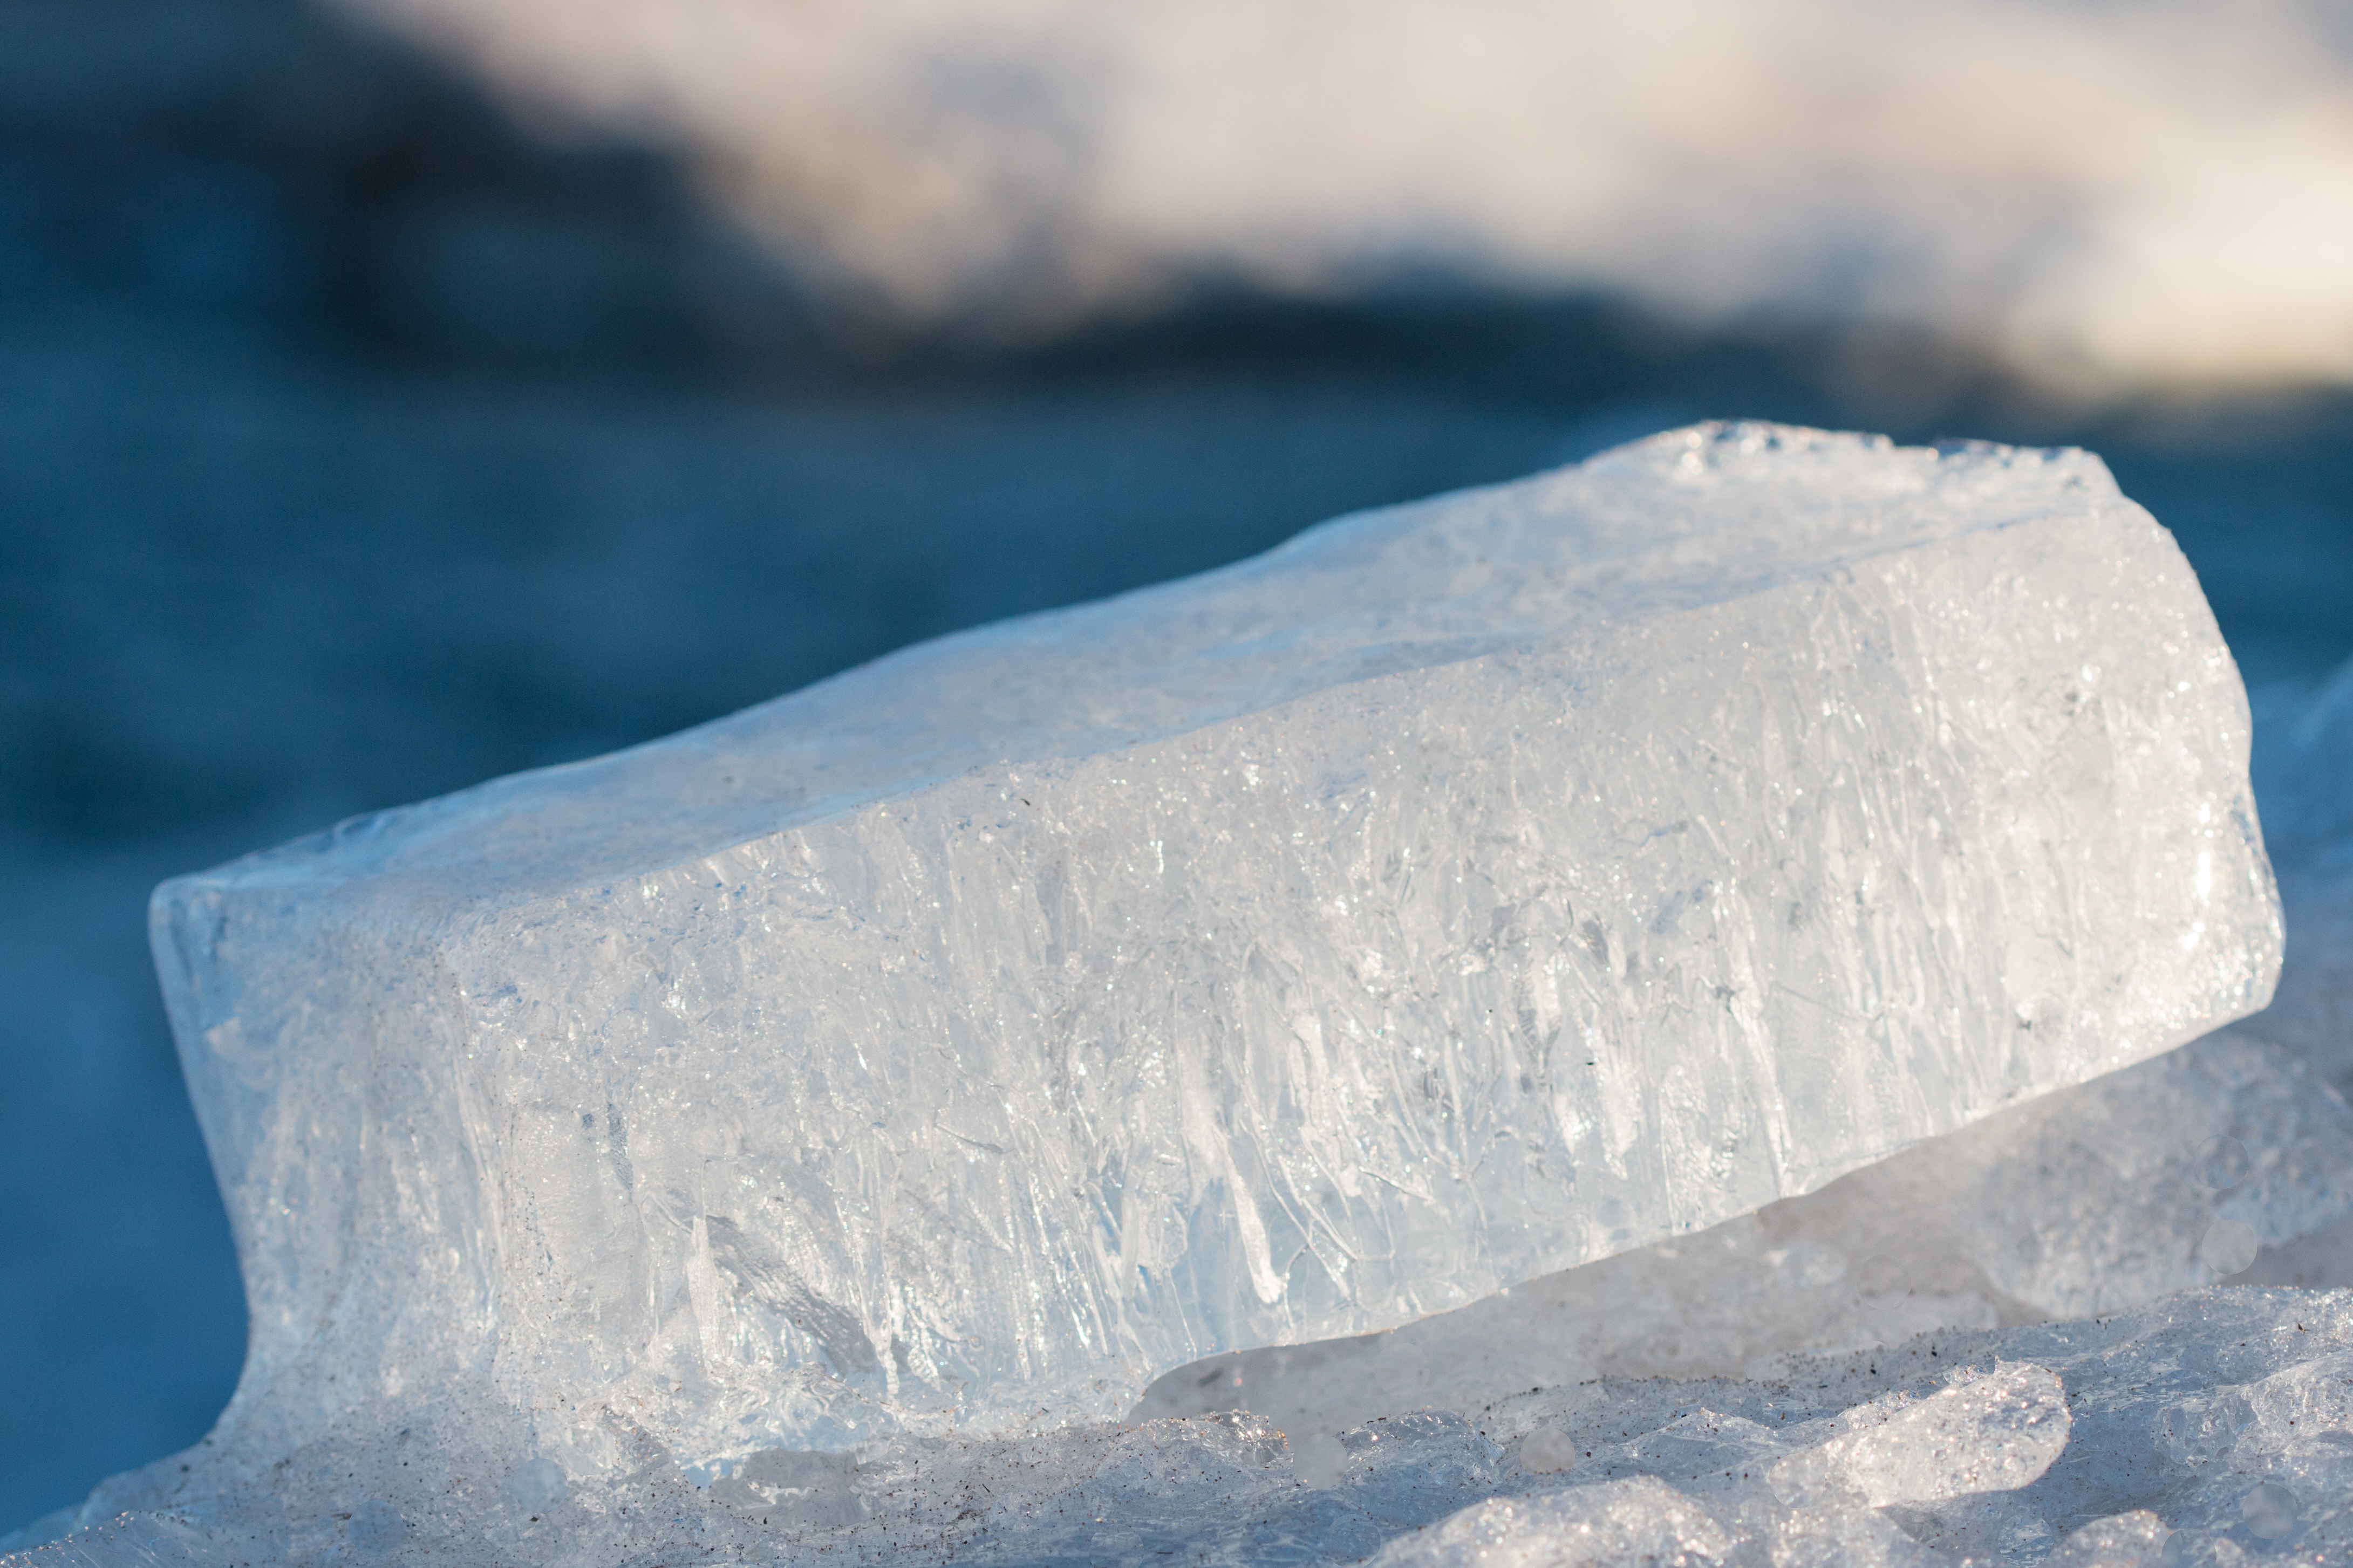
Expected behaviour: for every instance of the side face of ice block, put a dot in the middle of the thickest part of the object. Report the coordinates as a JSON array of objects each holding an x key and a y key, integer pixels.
[{"x": 1459, "y": 893}]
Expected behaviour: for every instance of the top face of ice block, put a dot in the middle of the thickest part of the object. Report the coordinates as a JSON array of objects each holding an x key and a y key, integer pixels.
[
  {"x": 1461, "y": 892},
  {"x": 1677, "y": 522}
]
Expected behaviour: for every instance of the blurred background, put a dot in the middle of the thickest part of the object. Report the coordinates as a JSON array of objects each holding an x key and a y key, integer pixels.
[{"x": 397, "y": 392}]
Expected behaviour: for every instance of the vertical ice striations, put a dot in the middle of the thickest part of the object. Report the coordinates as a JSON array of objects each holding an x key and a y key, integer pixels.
[{"x": 1461, "y": 892}]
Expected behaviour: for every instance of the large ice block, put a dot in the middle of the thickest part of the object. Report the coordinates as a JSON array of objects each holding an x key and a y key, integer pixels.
[{"x": 1461, "y": 892}]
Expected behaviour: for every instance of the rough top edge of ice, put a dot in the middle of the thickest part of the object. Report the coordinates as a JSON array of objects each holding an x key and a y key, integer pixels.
[
  {"x": 1644, "y": 527},
  {"x": 1462, "y": 892}
]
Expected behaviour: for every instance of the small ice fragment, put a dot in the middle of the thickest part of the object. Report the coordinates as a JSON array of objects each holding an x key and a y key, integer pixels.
[
  {"x": 2270, "y": 1510},
  {"x": 2224, "y": 1160},
  {"x": 1992, "y": 1433},
  {"x": 1547, "y": 1451},
  {"x": 2228, "y": 1247}
]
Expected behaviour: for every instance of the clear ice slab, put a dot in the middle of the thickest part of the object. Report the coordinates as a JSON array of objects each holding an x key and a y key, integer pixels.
[
  {"x": 1461, "y": 892},
  {"x": 2172, "y": 1173}
]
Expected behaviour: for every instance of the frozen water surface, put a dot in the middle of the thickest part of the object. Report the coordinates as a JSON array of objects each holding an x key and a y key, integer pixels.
[{"x": 800, "y": 1134}]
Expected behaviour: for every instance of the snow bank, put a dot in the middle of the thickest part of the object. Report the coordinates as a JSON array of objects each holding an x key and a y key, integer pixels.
[{"x": 2103, "y": 194}]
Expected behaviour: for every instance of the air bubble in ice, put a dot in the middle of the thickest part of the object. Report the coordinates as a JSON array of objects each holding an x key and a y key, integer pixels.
[
  {"x": 1990, "y": 1431},
  {"x": 1547, "y": 1450},
  {"x": 2224, "y": 1160},
  {"x": 2228, "y": 1247},
  {"x": 537, "y": 1483},
  {"x": 1319, "y": 1461},
  {"x": 2270, "y": 1510},
  {"x": 1879, "y": 1275}
]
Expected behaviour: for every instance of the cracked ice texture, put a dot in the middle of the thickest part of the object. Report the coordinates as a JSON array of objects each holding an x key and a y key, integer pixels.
[{"x": 1461, "y": 892}]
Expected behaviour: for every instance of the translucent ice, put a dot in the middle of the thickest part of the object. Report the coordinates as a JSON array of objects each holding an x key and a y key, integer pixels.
[
  {"x": 1712, "y": 1488},
  {"x": 1992, "y": 1433},
  {"x": 2093, "y": 1199},
  {"x": 1460, "y": 893}
]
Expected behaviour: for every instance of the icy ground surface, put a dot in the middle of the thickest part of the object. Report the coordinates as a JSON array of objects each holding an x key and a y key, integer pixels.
[{"x": 2220, "y": 1411}]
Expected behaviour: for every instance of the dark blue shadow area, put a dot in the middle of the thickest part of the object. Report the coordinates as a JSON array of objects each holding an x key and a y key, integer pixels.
[{"x": 392, "y": 452}]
